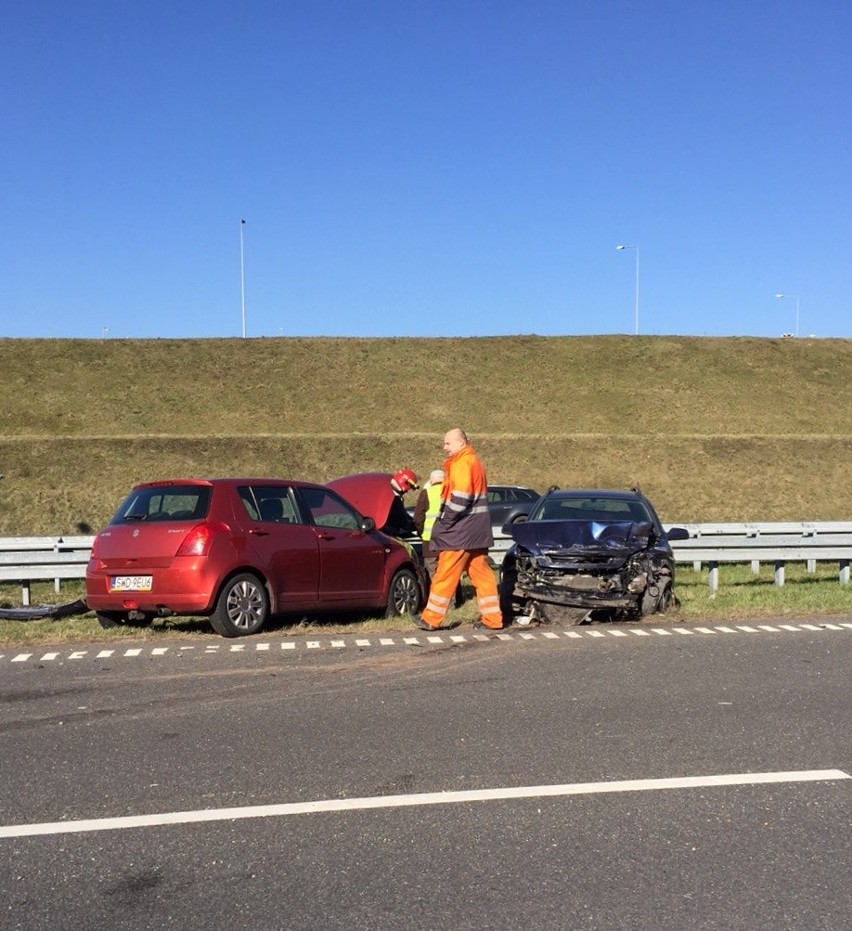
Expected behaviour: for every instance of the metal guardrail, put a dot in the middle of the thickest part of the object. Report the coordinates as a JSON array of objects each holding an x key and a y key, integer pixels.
[
  {"x": 30, "y": 559},
  {"x": 756, "y": 543}
]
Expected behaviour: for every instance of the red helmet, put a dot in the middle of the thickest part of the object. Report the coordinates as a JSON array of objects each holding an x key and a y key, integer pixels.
[{"x": 406, "y": 480}]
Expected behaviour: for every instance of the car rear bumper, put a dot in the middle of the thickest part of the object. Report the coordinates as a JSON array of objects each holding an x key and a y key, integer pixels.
[{"x": 180, "y": 592}]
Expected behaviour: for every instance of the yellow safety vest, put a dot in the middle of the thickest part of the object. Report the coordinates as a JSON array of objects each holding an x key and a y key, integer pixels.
[{"x": 433, "y": 497}]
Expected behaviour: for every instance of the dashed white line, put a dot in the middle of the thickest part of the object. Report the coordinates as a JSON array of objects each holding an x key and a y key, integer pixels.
[{"x": 514, "y": 635}]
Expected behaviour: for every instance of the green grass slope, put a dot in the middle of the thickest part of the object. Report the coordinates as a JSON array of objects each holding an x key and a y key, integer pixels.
[{"x": 712, "y": 429}]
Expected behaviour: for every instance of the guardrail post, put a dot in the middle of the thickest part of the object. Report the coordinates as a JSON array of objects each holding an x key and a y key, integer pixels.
[
  {"x": 779, "y": 574},
  {"x": 844, "y": 571},
  {"x": 713, "y": 576},
  {"x": 25, "y": 592},
  {"x": 755, "y": 567}
]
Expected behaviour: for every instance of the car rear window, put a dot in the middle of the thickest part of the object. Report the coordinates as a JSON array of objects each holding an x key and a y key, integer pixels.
[{"x": 172, "y": 502}]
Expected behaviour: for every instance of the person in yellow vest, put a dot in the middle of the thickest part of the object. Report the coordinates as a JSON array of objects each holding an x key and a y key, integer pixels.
[
  {"x": 426, "y": 511},
  {"x": 461, "y": 536}
]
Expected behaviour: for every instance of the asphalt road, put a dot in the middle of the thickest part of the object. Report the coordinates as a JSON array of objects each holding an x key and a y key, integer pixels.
[{"x": 468, "y": 782}]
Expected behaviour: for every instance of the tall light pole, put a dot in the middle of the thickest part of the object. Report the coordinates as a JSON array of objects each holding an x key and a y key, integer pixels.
[
  {"x": 635, "y": 246},
  {"x": 243, "y": 277},
  {"x": 796, "y": 296}
]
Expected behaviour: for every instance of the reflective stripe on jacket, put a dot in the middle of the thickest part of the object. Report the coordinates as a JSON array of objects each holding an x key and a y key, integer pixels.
[
  {"x": 464, "y": 522},
  {"x": 433, "y": 496}
]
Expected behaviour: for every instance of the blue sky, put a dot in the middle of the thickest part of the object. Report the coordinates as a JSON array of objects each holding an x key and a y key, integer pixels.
[{"x": 425, "y": 167}]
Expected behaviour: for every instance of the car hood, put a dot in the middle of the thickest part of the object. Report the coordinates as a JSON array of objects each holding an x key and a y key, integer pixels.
[
  {"x": 370, "y": 493},
  {"x": 612, "y": 539}
]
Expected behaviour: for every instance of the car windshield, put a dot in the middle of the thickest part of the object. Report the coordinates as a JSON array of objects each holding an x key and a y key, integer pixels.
[
  {"x": 590, "y": 509},
  {"x": 164, "y": 502}
]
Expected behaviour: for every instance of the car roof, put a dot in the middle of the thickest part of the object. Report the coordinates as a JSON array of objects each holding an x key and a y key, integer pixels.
[
  {"x": 605, "y": 493},
  {"x": 163, "y": 483}
]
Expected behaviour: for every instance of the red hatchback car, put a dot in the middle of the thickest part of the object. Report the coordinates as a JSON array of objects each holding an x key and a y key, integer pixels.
[{"x": 237, "y": 550}]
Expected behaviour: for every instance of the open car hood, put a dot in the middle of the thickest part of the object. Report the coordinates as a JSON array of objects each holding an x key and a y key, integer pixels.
[
  {"x": 370, "y": 493},
  {"x": 607, "y": 538}
]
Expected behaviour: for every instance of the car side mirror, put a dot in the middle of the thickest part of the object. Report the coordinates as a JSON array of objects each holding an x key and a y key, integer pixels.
[
  {"x": 677, "y": 533},
  {"x": 367, "y": 524}
]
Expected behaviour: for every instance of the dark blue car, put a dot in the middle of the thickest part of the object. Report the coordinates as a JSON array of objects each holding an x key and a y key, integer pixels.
[{"x": 587, "y": 553}]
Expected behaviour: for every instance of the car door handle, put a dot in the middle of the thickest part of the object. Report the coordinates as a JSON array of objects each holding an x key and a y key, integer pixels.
[{"x": 258, "y": 532}]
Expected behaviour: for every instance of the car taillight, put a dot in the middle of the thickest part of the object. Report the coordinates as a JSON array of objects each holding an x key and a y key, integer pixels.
[
  {"x": 197, "y": 541},
  {"x": 95, "y": 554}
]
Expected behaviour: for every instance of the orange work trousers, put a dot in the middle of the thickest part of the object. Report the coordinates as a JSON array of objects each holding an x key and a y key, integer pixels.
[{"x": 451, "y": 565}]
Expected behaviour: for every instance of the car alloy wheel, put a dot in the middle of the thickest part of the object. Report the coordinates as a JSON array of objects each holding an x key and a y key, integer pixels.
[
  {"x": 404, "y": 594},
  {"x": 242, "y": 607}
]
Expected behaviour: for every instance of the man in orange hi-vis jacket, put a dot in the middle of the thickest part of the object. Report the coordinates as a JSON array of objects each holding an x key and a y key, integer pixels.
[{"x": 462, "y": 537}]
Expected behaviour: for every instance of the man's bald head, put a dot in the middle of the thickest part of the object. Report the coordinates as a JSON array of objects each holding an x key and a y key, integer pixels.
[{"x": 454, "y": 440}]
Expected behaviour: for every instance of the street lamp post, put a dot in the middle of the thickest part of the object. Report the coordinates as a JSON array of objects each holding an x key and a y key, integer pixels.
[
  {"x": 622, "y": 248},
  {"x": 242, "y": 278},
  {"x": 796, "y": 296}
]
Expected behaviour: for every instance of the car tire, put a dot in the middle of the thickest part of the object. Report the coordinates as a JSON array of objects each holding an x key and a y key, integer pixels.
[
  {"x": 242, "y": 607},
  {"x": 404, "y": 595},
  {"x": 111, "y": 619},
  {"x": 506, "y": 588},
  {"x": 667, "y": 600}
]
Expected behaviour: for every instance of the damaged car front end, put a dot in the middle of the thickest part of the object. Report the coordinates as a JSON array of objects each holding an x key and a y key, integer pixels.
[{"x": 588, "y": 555}]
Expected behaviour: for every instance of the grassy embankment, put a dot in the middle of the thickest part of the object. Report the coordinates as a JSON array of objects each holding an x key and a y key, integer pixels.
[{"x": 712, "y": 429}]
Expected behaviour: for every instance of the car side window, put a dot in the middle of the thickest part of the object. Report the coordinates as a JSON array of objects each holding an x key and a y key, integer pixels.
[
  {"x": 271, "y": 504},
  {"x": 327, "y": 510}
]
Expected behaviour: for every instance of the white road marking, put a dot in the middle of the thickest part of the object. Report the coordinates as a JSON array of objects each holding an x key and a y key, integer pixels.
[
  {"x": 418, "y": 799},
  {"x": 513, "y": 635}
]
